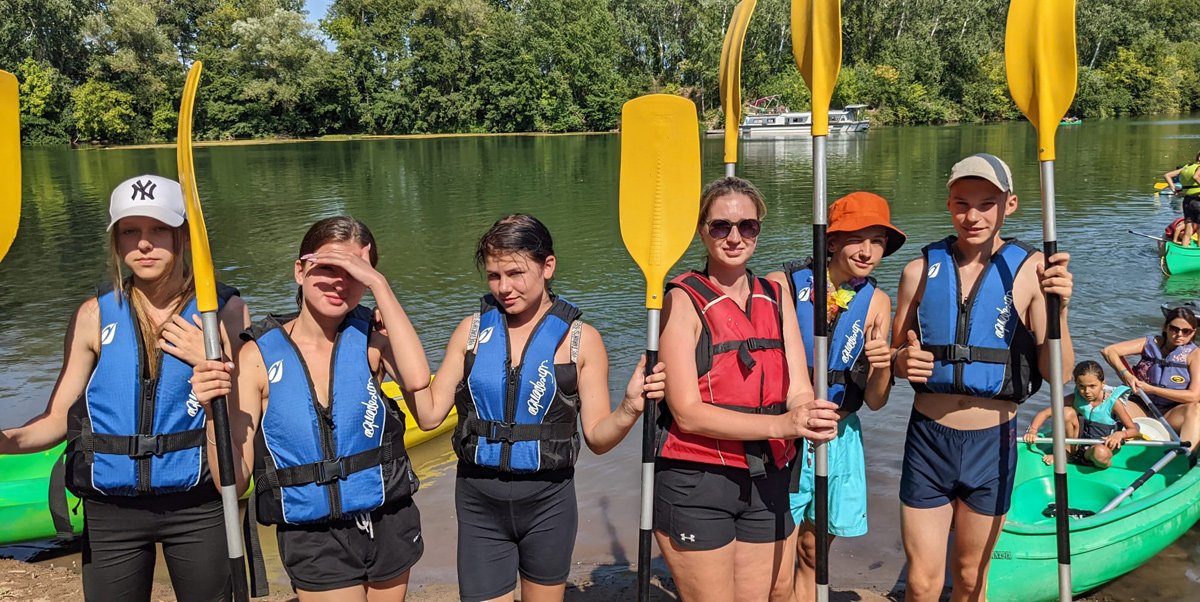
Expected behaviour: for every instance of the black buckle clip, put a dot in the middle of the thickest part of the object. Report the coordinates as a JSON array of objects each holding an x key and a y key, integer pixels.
[
  {"x": 145, "y": 446},
  {"x": 501, "y": 431},
  {"x": 329, "y": 471},
  {"x": 958, "y": 353}
]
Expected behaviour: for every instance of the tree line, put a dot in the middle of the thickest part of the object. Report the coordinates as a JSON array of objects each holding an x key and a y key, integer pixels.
[{"x": 111, "y": 70}]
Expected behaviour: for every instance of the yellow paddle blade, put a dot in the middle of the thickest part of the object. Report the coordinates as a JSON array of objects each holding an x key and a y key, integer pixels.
[
  {"x": 1160, "y": 185},
  {"x": 10, "y": 157},
  {"x": 817, "y": 48},
  {"x": 731, "y": 74},
  {"x": 202, "y": 265},
  {"x": 1039, "y": 56},
  {"x": 660, "y": 184}
]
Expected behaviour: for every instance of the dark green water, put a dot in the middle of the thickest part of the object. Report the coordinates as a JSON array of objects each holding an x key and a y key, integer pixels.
[{"x": 428, "y": 200}]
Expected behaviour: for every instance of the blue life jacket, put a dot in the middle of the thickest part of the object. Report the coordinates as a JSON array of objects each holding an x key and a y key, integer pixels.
[
  {"x": 1170, "y": 372},
  {"x": 1098, "y": 421},
  {"x": 132, "y": 435},
  {"x": 847, "y": 365},
  {"x": 317, "y": 464},
  {"x": 524, "y": 418},
  {"x": 980, "y": 347}
]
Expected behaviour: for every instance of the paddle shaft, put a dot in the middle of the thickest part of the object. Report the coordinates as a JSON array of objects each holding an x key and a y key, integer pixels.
[
  {"x": 229, "y": 496},
  {"x": 1150, "y": 472},
  {"x": 1150, "y": 236},
  {"x": 1134, "y": 442},
  {"x": 649, "y": 438},
  {"x": 1153, "y": 409},
  {"x": 820, "y": 360},
  {"x": 1054, "y": 340}
]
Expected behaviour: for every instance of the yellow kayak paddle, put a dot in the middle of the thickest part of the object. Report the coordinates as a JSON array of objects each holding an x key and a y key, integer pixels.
[
  {"x": 10, "y": 155},
  {"x": 731, "y": 78}
]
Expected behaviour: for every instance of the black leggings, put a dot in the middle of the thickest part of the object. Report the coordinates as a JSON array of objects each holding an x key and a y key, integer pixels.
[{"x": 118, "y": 549}]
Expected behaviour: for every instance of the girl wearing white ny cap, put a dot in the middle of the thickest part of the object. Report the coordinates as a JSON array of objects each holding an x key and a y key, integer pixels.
[{"x": 123, "y": 401}]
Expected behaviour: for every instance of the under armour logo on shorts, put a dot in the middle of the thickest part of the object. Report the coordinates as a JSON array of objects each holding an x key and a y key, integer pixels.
[
  {"x": 146, "y": 189},
  {"x": 687, "y": 537}
]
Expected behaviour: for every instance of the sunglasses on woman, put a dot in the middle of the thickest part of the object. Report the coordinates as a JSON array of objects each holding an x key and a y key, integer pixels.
[
  {"x": 722, "y": 228},
  {"x": 1180, "y": 331}
]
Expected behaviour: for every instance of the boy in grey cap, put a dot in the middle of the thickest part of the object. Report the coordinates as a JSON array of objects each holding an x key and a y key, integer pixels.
[{"x": 971, "y": 329}]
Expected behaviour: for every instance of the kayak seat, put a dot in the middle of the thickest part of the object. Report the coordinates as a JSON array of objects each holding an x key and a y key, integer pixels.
[{"x": 1032, "y": 497}]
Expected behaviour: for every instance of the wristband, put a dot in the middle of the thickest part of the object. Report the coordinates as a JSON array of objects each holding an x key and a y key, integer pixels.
[{"x": 1123, "y": 372}]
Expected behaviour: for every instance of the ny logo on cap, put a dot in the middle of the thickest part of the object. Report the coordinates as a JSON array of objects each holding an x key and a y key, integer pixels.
[{"x": 146, "y": 189}]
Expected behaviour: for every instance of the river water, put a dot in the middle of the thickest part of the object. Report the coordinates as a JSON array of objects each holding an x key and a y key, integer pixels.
[{"x": 428, "y": 200}]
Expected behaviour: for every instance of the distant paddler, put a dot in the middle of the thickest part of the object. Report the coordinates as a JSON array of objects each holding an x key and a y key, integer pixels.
[{"x": 1188, "y": 188}]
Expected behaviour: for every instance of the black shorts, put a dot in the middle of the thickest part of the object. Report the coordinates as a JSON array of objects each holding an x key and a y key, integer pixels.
[
  {"x": 510, "y": 524},
  {"x": 1191, "y": 209},
  {"x": 942, "y": 464},
  {"x": 327, "y": 556},
  {"x": 705, "y": 507}
]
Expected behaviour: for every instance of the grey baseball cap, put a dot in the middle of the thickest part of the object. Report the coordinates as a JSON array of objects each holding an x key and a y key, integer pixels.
[{"x": 982, "y": 165}]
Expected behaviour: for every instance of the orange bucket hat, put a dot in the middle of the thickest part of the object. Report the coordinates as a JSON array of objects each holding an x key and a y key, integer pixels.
[{"x": 859, "y": 210}]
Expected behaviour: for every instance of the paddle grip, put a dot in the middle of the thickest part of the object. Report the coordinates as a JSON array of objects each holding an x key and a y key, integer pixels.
[
  {"x": 1053, "y": 302},
  {"x": 649, "y": 440},
  {"x": 1061, "y": 519}
]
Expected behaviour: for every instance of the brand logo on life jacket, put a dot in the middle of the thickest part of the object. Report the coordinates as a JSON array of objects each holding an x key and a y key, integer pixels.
[
  {"x": 193, "y": 405},
  {"x": 852, "y": 342},
  {"x": 1004, "y": 312},
  {"x": 106, "y": 335},
  {"x": 371, "y": 411},
  {"x": 934, "y": 270},
  {"x": 804, "y": 294},
  {"x": 1177, "y": 379},
  {"x": 539, "y": 389},
  {"x": 485, "y": 335},
  {"x": 275, "y": 372}
]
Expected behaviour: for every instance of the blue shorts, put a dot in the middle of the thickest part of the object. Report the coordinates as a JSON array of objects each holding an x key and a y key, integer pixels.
[
  {"x": 847, "y": 482},
  {"x": 942, "y": 464}
]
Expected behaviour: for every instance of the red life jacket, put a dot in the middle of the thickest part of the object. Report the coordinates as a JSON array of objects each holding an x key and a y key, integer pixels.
[{"x": 741, "y": 365}]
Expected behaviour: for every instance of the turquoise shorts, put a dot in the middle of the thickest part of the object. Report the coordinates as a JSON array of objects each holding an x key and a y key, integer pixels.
[{"x": 847, "y": 482}]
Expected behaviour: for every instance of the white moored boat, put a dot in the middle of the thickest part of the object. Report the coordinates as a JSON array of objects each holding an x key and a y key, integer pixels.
[{"x": 770, "y": 122}]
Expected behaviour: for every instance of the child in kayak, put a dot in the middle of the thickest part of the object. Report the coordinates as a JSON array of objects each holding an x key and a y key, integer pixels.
[
  {"x": 327, "y": 449},
  {"x": 528, "y": 376},
  {"x": 860, "y": 236},
  {"x": 135, "y": 451},
  {"x": 1091, "y": 412},
  {"x": 978, "y": 303},
  {"x": 738, "y": 394}
]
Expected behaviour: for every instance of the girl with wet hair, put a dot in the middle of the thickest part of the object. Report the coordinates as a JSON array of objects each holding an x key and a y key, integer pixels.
[
  {"x": 128, "y": 357},
  {"x": 528, "y": 377},
  {"x": 325, "y": 448},
  {"x": 1092, "y": 411},
  {"x": 1168, "y": 371}
]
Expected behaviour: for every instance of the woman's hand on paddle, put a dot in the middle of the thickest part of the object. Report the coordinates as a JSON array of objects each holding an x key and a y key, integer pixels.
[
  {"x": 183, "y": 339},
  {"x": 912, "y": 362},
  {"x": 653, "y": 387},
  {"x": 1057, "y": 279},
  {"x": 879, "y": 353},
  {"x": 212, "y": 379},
  {"x": 815, "y": 420},
  {"x": 357, "y": 265},
  {"x": 1131, "y": 381}
]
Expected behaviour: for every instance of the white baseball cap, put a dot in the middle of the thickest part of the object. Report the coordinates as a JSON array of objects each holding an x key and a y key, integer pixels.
[{"x": 149, "y": 196}]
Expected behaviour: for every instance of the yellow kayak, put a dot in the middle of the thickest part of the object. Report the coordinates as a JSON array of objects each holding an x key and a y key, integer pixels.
[{"x": 413, "y": 435}]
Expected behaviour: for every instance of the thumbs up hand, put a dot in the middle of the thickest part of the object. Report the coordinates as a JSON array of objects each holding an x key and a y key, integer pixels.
[
  {"x": 877, "y": 350},
  {"x": 912, "y": 362}
]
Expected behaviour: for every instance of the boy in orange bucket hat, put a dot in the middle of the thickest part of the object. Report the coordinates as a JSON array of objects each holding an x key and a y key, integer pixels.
[{"x": 860, "y": 236}]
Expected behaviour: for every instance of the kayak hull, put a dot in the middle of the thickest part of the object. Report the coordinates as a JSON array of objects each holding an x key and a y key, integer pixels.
[
  {"x": 25, "y": 483},
  {"x": 1179, "y": 260},
  {"x": 1103, "y": 546}
]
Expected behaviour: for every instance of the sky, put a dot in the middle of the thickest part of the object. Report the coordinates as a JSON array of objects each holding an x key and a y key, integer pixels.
[{"x": 316, "y": 9}]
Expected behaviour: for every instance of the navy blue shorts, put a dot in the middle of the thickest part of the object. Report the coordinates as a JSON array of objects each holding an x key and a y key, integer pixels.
[{"x": 942, "y": 464}]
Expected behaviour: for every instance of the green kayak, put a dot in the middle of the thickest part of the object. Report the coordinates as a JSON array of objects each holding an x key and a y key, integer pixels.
[
  {"x": 1103, "y": 546},
  {"x": 24, "y": 497},
  {"x": 1179, "y": 260}
]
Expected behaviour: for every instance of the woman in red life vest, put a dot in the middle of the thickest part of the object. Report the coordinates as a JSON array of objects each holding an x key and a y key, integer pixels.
[{"x": 738, "y": 393}]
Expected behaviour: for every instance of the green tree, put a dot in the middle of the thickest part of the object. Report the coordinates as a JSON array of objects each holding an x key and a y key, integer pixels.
[{"x": 102, "y": 112}]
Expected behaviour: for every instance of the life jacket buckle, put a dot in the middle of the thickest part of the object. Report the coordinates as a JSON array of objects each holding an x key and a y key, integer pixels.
[
  {"x": 144, "y": 446},
  {"x": 329, "y": 471},
  {"x": 958, "y": 353},
  {"x": 501, "y": 431}
]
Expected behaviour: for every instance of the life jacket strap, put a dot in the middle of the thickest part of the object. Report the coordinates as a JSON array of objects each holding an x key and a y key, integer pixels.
[
  {"x": 328, "y": 471},
  {"x": 758, "y": 453},
  {"x": 744, "y": 347},
  {"x": 1163, "y": 363},
  {"x": 509, "y": 432},
  {"x": 955, "y": 354},
  {"x": 143, "y": 446}
]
